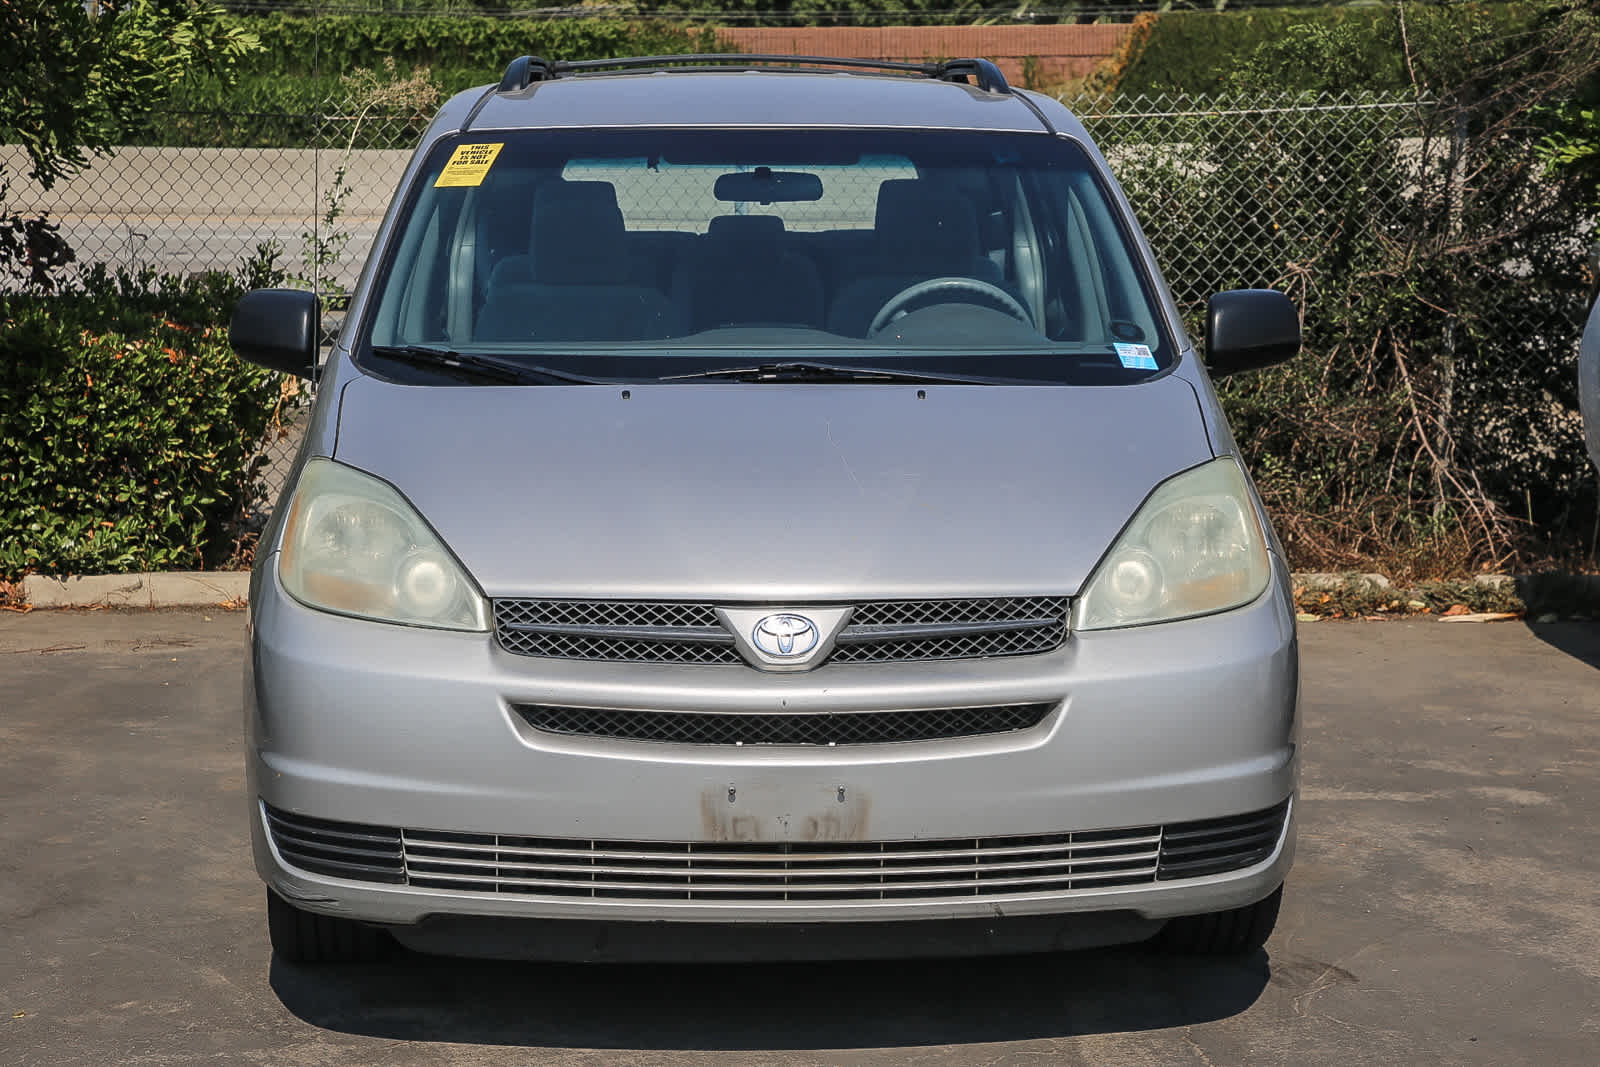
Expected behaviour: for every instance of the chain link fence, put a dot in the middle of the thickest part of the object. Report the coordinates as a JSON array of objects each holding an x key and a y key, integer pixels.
[
  {"x": 1239, "y": 191},
  {"x": 1442, "y": 279},
  {"x": 1440, "y": 322}
]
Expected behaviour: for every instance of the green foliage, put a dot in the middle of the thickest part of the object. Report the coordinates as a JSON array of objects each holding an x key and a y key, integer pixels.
[
  {"x": 1320, "y": 49},
  {"x": 1570, "y": 147},
  {"x": 478, "y": 48},
  {"x": 126, "y": 426},
  {"x": 304, "y": 59},
  {"x": 1573, "y": 145},
  {"x": 76, "y": 83}
]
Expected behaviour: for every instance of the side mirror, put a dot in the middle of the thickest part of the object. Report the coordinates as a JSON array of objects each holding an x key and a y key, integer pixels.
[
  {"x": 1250, "y": 328},
  {"x": 277, "y": 329}
]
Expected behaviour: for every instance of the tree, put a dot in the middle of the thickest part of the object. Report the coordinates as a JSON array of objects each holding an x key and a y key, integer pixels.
[{"x": 80, "y": 75}]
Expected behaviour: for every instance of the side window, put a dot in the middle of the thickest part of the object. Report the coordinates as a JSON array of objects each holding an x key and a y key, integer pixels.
[
  {"x": 1076, "y": 306},
  {"x": 1092, "y": 291},
  {"x": 1119, "y": 285},
  {"x": 413, "y": 308}
]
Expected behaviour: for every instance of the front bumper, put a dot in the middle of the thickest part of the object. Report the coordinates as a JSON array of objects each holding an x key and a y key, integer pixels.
[{"x": 407, "y": 728}]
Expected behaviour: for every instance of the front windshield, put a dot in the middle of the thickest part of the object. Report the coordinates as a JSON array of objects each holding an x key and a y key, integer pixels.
[{"x": 647, "y": 254}]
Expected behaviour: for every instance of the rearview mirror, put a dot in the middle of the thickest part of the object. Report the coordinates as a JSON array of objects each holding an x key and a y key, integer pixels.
[
  {"x": 277, "y": 329},
  {"x": 767, "y": 186},
  {"x": 1247, "y": 329}
]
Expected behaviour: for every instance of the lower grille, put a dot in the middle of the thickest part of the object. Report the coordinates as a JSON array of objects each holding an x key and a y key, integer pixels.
[
  {"x": 803, "y": 873},
  {"x": 342, "y": 849},
  {"x": 1211, "y": 846},
  {"x": 861, "y": 728}
]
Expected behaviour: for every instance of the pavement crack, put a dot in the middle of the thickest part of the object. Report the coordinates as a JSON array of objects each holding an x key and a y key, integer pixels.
[{"x": 1194, "y": 1046}]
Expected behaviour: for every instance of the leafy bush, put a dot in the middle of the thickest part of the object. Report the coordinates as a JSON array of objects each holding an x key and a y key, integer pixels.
[
  {"x": 303, "y": 59},
  {"x": 127, "y": 426},
  {"x": 1208, "y": 52},
  {"x": 78, "y": 78}
]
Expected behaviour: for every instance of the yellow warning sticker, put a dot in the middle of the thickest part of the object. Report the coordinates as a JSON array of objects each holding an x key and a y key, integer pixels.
[{"x": 467, "y": 165}]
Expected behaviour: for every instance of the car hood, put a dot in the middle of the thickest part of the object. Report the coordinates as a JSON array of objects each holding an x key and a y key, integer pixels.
[{"x": 769, "y": 492}]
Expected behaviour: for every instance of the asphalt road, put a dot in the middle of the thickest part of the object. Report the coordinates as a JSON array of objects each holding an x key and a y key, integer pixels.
[
  {"x": 1444, "y": 907},
  {"x": 180, "y": 210},
  {"x": 175, "y": 244}
]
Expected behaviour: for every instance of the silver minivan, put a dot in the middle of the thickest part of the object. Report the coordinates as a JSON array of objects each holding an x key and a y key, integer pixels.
[{"x": 767, "y": 507}]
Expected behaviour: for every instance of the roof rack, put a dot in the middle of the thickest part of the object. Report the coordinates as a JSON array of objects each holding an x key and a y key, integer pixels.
[{"x": 525, "y": 70}]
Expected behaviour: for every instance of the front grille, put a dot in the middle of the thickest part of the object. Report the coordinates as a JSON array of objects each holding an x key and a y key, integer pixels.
[
  {"x": 878, "y": 632},
  {"x": 614, "y": 631},
  {"x": 803, "y": 873},
  {"x": 1006, "y": 626},
  {"x": 857, "y": 728}
]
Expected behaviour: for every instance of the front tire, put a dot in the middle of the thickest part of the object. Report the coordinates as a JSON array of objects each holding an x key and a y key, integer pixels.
[
  {"x": 1236, "y": 932},
  {"x": 306, "y": 937}
]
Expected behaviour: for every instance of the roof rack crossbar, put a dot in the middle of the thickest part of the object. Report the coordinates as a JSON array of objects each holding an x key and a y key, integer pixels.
[{"x": 525, "y": 70}]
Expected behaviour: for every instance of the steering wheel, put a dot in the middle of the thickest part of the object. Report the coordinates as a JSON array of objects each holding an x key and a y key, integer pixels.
[{"x": 911, "y": 293}]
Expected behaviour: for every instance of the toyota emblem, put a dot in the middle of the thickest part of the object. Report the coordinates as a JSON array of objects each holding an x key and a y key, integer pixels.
[{"x": 787, "y": 636}]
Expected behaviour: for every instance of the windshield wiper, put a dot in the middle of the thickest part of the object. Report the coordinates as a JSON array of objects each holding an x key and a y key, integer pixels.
[
  {"x": 483, "y": 368},
  {"x": 811, "y": 371}
]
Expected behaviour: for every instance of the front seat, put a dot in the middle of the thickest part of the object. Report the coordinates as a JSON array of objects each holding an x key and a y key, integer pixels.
[
  {"x": 742, "y": 274},
  {"x": 582, "y": 285}
]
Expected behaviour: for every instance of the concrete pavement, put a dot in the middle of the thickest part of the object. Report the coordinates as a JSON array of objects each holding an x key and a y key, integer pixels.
[{"x": 1444, "y": 907}]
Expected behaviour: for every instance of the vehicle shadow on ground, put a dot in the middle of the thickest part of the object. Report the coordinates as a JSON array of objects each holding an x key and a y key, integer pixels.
[
  {"x": 1580, "y": 640},
  {"x": 800, "y": 1006}
]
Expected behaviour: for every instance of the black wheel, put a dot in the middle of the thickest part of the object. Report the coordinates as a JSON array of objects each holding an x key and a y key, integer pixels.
[
  {"x": 306, "y": 937},
  {"x": 1237, "y": 932}
]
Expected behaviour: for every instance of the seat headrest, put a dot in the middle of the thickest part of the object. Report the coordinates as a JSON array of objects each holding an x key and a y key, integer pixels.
[
  {"x": 915, "y": 219},
  {"x": 745, "y": 229},
  {"x": 578, "y": 234}
]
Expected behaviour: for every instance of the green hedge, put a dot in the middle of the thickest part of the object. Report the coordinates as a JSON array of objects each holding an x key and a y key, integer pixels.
[
  {"x": 302, "y": 58},
  {"x": 126, "y": 427},
  {"x": 1209, "y": 52}
]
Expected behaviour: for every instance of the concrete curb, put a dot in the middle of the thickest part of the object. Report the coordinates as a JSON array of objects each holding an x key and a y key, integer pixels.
[
  {"x": 1326, "y": 581},
  {"x": 1545, "y": 597},
  {"x": 1565, "y": 593},
  {"x": 169, "y": 589}
]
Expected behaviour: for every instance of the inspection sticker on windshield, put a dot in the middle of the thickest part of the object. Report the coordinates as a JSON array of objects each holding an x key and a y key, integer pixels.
[
  {"x": 467, "y": 165},
  {"x": 1136, "y": 357}
]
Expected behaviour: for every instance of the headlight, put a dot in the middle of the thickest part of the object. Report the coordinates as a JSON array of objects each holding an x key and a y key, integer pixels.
[
  {"x": 1195, "y": 547},
  {"x": 354, "y": 546}
]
